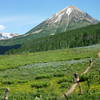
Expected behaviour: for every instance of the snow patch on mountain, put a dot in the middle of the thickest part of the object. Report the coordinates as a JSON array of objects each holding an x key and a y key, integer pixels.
[
  {"x": 59, "y": 17},
  {"x": 37, "y": 31},
  {"x": 69, "y": 11},
  {"x": 4, "y": 35}
]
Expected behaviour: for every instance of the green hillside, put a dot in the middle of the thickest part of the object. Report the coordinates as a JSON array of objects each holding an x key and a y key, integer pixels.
[
  {"x": 74, "y": 38},
  {"x": 48, "y": 75},
  {"x": 27, "y": 37},
  {"x": 16, "y": 60}
]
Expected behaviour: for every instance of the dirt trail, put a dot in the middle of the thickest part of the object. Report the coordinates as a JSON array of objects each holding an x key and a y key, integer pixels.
[{"x": 73, "y": 87}]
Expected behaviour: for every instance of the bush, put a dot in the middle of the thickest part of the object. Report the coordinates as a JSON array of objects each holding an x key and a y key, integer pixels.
[
  {"x": 58, "y": 75},
  {"x": 84, "y": 78},
  {"x": 40, "y": 84},
  {"x": 44, "y": 76},
  {"x": 62, "y": 80},
  {"x": 8, "y": 82}
]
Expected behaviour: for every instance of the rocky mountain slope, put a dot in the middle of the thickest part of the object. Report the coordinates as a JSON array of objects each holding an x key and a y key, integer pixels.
[{"x": 67, "y": 19}]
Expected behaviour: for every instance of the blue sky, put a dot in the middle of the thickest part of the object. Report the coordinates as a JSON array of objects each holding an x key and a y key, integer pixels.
[{"x": 19, "y": 16}]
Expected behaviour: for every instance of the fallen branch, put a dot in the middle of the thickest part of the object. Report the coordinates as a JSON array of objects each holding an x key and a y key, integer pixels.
[{"x": 77, "y": 79}]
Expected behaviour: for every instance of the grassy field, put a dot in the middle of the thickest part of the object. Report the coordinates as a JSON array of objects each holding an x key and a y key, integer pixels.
[
  {"x": 48, "y": 75},
  {"x": 13, "y": 61}
]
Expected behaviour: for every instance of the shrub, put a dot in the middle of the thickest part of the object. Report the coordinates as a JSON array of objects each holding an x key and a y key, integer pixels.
[
  {"x": 44, "y": 76},
  {"x": 84, "y": 78},
  {"x": 8, "y": 82},
  {"x": 39, "y": 84},
  {"x": 58, "y": 75}
]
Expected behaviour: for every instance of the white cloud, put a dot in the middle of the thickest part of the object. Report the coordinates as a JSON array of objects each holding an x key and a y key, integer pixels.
[{"x": 2, "y": 27}]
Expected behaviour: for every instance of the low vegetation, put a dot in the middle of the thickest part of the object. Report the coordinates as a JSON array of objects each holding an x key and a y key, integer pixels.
[
  {"x": 48, "y": 75},
  {"x": 25, "y": 59}
]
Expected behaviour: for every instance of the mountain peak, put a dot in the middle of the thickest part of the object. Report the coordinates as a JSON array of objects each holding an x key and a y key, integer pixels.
[
  {"x": 72, "y": 7},
  {"x": 69, "y": 10},
  {"x": 67, "y": 19}
]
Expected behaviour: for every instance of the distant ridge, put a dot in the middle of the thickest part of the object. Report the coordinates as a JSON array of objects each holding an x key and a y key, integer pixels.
[{"x": 4, "y": 36}]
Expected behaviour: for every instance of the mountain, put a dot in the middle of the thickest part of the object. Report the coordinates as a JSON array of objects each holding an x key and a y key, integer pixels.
[
  {"x": 68, "y": 28},
  {"x": 67, "y": 19},
  {"x": 4, "y": 36},
  {"x": 84, "y": 36}
]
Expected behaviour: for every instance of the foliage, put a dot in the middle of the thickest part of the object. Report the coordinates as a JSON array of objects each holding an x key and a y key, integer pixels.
[
  {"x": 48, "y": 75},
  {"x": 26, "y": 59}
]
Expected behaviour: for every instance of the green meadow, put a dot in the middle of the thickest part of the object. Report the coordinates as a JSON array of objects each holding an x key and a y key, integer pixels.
[{"x": 48, "y": 75}]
